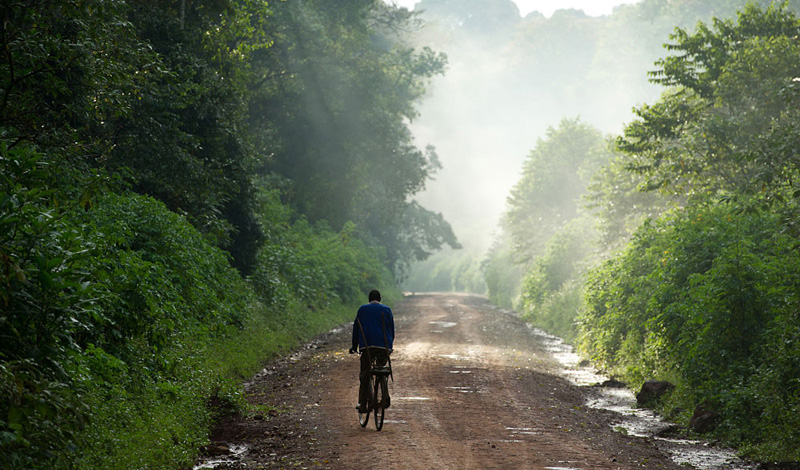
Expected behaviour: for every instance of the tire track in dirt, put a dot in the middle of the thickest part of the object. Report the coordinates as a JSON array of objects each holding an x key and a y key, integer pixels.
[{"x": 472, "y": 390}]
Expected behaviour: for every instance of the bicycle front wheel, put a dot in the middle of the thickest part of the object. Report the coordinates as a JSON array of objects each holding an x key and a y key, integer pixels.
[{"x": 379, "y": 395}]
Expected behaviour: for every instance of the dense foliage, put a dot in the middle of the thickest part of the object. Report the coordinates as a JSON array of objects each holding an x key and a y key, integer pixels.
[
  {"x": 502, "y": 273},
  {"x": 550, "y": 236},
  {"x": 522, "y": 75},
  {"x": 707, "y": 296},
  {"x": 692, "y": 274},
  {"x": 186, "y": 188},
  {"x": 337, "y": 121}
]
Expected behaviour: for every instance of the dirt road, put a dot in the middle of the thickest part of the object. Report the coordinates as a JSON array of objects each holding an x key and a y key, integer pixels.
[{"x": 472, "y": 390}]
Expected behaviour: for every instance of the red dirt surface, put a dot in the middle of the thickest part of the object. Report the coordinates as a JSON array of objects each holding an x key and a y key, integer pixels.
[{"x": 472, "y": 390}]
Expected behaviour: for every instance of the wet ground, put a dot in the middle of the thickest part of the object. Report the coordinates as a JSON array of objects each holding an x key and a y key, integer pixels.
[
  {"x": 474, "y": 388},
  {"x": 639, "y": 422}
]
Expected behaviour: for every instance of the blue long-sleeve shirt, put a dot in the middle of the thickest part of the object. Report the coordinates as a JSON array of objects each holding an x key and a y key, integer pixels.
[{"x": 377, "y": 323}]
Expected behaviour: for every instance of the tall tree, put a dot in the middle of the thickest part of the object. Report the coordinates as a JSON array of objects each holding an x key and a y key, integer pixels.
[
  {"x": 66, "y": 70},
  {"x": 554, "y": 177},
  {"x": 186, "y": 141},
  {"x": 732, "y": 89},
  {"x": 339, "y": 89}
]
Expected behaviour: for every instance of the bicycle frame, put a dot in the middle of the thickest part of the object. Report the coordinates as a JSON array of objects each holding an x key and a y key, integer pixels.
[
  {"x": 378, "y": 382},
  {"x": 378, "y": 392}
]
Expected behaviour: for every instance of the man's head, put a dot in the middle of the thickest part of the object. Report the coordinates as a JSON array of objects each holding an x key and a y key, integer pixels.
[{"x": 374, "y": 295}]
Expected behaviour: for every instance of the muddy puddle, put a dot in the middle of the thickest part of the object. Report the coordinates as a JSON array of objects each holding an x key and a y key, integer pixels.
[
  {"x": 636, "y": 421},
  {"x": 231, "y": 454}
]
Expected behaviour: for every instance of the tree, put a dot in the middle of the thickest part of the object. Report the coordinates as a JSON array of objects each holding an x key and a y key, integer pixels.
[
  {"x": 620, "y": 202},
  {"x": 339, "y": 89},
  {"x": 554, "y": 177},
  {"x": 186, "y": 141},
  {"x": 502, "y": 271},
  {"x": 699, "y": 293},
  {"x": 727, "y": 98},
  {"x": 67, "y": 69}
]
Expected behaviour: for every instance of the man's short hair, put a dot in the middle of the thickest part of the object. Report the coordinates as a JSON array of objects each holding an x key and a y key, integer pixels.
[{"x": 374, "y": 295}]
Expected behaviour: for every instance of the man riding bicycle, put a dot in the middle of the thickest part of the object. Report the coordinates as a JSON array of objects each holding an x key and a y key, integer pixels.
[{"x": 373, "y": 328}]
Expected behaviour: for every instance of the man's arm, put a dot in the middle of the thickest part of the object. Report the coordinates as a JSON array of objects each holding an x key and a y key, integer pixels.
[
  {"x": 391, "y": 324},
  {"x": 356, "y": 335}
]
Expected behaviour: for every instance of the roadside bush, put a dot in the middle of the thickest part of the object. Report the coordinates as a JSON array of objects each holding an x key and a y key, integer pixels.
[
  {"x": 107, "y": 303},
  {"x": 166, "y": 293},
  {"x": 708, "y": 298},
  {"x": 313, "y": 264},
  {"x": 47, "y": 300}
]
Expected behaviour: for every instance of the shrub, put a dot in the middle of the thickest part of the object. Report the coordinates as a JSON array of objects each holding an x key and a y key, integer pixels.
[{"x": 708, "y": 298}]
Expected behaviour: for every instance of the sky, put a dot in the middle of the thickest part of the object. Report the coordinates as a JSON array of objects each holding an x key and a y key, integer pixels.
[{"x": 547, "y": 7}]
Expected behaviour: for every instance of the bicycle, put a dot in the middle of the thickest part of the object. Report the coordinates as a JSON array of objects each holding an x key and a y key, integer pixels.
[{"x": 378, "y": 398}]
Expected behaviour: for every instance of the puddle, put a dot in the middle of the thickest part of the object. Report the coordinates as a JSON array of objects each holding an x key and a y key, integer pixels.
[
  {"x": 708, "y": 458},
  {"x": 236, "y": 452},
  {"x": 635, "y": 421},
  {"x": 411, "y": 398},
  {"x": 466, "y": 389},
  {"x": 452, "y": 356},
  {"x": 461, "y": 370},
  {"x": 563, "y": 468},
  {"x": 462, "y": 389},
  {"x": 523, "y": 431},
  {"x": 442, "y": 325}
]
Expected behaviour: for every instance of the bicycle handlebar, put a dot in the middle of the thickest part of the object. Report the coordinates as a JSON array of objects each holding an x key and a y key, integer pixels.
[{"x": 361, "y": 350}]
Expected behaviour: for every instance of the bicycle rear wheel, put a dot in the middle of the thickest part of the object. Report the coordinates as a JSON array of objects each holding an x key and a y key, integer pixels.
[
  {"x": 380, "y": 400},
  {"x": 363, "y": 418}
]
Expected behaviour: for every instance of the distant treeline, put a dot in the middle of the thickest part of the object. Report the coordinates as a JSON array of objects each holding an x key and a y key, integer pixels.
[
  {"x": 186, "y": 187},
  {"x": 671, "y": 252}
]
